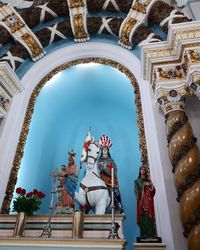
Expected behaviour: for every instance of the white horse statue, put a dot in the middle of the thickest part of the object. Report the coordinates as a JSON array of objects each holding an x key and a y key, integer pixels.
[{"x": 93, "y": 190}]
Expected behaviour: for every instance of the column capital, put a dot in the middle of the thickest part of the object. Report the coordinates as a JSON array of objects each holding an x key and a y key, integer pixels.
[
  {"x": 171, "y": 100},
  {"x": 194, "y": 87}
]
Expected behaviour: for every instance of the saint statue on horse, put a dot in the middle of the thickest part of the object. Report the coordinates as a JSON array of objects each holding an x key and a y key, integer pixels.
[
  {"x": 95, "y": 187},
  {"x": 105, "y": 163}
]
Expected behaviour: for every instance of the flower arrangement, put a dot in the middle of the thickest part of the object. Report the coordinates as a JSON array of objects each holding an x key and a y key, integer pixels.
[{"x": 27, "y": 202}]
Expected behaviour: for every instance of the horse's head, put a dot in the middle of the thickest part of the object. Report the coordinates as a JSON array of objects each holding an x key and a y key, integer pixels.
[
  {"x": 90, "y": 150},
  {"x": 93, "y": 150}
]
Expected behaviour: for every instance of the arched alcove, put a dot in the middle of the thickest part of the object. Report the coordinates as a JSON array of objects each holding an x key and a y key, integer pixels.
[
  {"x": 83, "y": 95},
  {"x": 66, "y": 55}
]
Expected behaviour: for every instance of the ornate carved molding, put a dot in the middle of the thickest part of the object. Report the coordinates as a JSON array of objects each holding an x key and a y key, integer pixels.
[
  {"x": 78, "y": 19},
  {"x": 135, "y": 17},
  {"x": 170, "y": 65},
  {"x": 171, "y": 100},
  {"x": 9, "y": 86},
  {"x": 15, "y": 25}
]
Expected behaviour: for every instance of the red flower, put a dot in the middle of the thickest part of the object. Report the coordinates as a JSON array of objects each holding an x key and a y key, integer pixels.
[
  {"x": 40, "y": 195},
  {"x": 23, "y": 191},
  {"x": 19, "y": 190},
  {"x": 29, "y": 195},
  {"x": 35, "y": 191}
]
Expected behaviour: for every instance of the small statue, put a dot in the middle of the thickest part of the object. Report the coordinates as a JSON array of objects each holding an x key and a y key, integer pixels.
[
  {"x": 104, "y": 165},
  {"x": 66, "y": 190},
  {"x": 173, "y": 96},
  {"x": 5, "y": 104},
  {"x": 177, "y": 73},
  {"x": 162, "y": 74},
  {"x": 145, "y": 191},
  {"x": 194, "y": 56},
  {"x": 185, "y": 65},
  {"x": 79, "y": 26}
]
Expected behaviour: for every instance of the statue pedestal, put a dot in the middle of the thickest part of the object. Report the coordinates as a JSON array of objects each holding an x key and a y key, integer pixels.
[
  {"x": 96, "y": 230},
  {"x": 149, "y": 246}
]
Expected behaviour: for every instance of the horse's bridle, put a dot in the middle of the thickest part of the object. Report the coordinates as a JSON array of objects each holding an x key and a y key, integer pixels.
[{"x": 95, "y": 159}]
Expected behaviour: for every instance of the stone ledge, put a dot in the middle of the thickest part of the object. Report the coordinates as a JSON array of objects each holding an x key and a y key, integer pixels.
[
  {"x": 149, "y": 246},
  {"x": 63, "y": 243}
]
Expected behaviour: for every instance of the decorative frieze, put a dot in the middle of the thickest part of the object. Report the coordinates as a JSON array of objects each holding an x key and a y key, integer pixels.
[{"x": 171, "y": 65}]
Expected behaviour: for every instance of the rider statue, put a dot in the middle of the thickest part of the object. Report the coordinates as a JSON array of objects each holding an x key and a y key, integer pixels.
[
  {"x": 105, "y": 163},
  {"x": 66, "y": 189}
]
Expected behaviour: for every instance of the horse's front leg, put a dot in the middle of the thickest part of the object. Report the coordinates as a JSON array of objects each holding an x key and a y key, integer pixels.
[
  {"x": 80, "y": 197},
  {"x": 100, "y": 208}
]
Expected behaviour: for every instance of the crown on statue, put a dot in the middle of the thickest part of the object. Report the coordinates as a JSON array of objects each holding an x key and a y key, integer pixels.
[
  {"x": 105, "y": 141},
  {"x": 72, "y": 153}
]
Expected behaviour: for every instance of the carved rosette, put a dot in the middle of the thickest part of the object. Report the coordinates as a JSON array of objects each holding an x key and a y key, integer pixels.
[
  {"x": 16, "y": 26},
  {"x": 185, "y": 158},
  {"x": 78, "y": 19},
  {"x": 135, "y": 17}
]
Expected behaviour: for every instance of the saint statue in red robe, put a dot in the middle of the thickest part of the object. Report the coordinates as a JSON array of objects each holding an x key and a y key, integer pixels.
[{"x": 145, "y": 191}]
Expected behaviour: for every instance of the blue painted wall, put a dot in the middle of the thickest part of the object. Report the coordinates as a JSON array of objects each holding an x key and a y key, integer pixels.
[{"x": 79, "y": 97}]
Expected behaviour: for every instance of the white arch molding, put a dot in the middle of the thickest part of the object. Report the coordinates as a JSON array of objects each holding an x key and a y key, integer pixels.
[{"x": 13, "y": 125}]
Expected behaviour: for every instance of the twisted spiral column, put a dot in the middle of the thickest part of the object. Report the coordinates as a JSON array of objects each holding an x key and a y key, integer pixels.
[{"x": 185, "y": 158}]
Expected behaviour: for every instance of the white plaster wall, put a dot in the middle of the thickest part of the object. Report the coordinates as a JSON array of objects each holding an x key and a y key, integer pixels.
[{"x": 13, "y": 124}]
